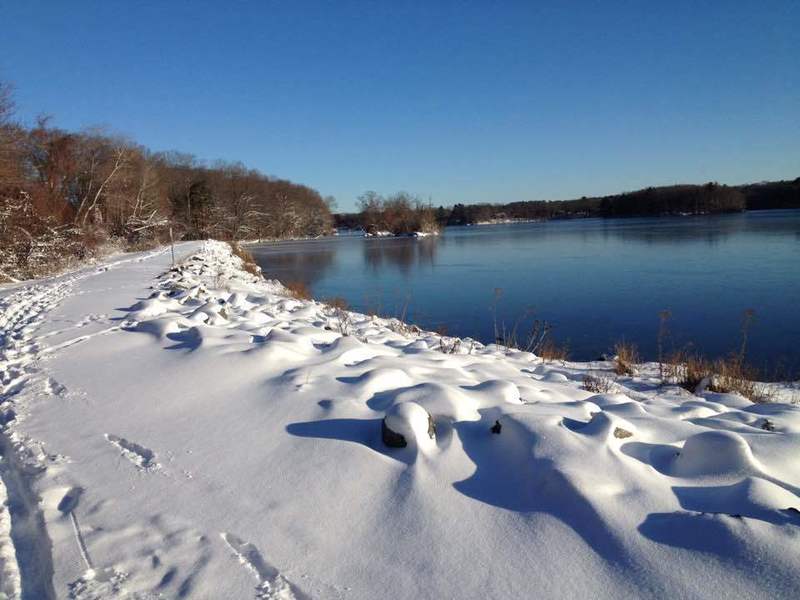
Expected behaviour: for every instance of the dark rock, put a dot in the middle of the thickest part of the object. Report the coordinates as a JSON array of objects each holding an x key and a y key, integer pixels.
[
  {"x": 497, "y": 428},
  {"x": 431, "y": 427},
  {"x": 621, "y": 433},
  {"x": 768, "y": 425},
  {"x": 391, "y": 438}
]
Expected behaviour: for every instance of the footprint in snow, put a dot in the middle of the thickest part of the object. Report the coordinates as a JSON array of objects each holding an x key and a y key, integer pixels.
[
  {"x": 142, "y": 457},
  {"x": 272, "y": 585}
]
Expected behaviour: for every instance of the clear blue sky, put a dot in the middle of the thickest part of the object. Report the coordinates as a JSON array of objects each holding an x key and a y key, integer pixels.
[{"x": 459, "y": 101}]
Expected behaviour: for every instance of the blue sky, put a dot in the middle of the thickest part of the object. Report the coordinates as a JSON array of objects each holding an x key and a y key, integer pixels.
[{"x": 456, "y": 101}]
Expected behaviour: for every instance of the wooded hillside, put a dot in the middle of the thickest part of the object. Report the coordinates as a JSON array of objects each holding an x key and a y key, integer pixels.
[{"x": 63, "y": 193}]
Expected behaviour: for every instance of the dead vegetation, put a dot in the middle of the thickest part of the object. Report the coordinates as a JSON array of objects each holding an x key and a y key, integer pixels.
[
  {"x": 697, "y": 374},
  {"x": 731, "y": 374},
  {"x": 551, "y": 350},
  {"x": 598, "y": 383},
  {"x": 626, "y": 358},
  {"x": 249, "y": 263},
  {"x": 298, "y": 289},
  {"x": 340, "y": 319},
  {"x": 535, "y": 338},
  {"x": 336, "y": 302}
]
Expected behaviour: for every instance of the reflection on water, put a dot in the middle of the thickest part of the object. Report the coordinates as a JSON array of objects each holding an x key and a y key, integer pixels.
[
  {"x": 596, "y": 280},
  {"x": 402, "y": 253},
  {"x": 297, "y": 264}
]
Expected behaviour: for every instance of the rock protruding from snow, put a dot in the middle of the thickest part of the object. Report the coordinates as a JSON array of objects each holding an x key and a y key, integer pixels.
[{"x": 407, "y": 422}]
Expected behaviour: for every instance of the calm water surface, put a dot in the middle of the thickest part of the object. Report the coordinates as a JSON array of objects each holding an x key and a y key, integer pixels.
[{"x": 595, "y": 280}]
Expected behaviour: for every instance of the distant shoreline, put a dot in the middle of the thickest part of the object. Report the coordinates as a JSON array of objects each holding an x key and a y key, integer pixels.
[
  {"x": 357, "y": 232},
  {"x": 674, "y": 200}
]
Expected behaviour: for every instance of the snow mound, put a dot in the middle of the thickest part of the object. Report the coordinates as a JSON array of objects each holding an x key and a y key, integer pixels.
[
  {"x": 714, "y": 453},
  {"x": 751, "y": 497},
  {"x": 413, "y": 422},
  {"x": 608, "y": 428}
]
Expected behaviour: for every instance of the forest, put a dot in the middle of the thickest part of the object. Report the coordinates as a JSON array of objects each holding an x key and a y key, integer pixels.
[
  {"x": 709, "y": 198},
  {"x": 397, "y": 214},
  {"x": 65, "y": 196}
]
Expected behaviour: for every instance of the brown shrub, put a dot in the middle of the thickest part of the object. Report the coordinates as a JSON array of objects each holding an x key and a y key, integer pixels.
[
  {"x": 552, "y": 350},
  {"x": 724, "y": 376},
  {"x": 687, "y": 369},
  {"x": 627, "y": 358},
  {"x": 598, "y": 383},
  {"x": 337, "y": 303},
  {"x": 248, "y": 262},
  {"x": 298, "y": 289}
]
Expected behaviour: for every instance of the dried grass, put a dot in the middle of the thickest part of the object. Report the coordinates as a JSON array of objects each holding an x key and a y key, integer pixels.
[
  {"x": 248, "y": 262},
  {"x": 627, "y": 357},
  {"x": 598, "y": 383},
  {"x": 551, "y": 350},
  {"x": 298, "y": 289}
]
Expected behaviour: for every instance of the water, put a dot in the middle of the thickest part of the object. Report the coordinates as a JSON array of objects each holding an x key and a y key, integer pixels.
[{"x": 595, "y": 280}]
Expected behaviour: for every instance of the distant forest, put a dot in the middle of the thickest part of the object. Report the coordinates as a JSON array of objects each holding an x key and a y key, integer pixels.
[
  {"x": 65, "y": 195},
  {"x": 708, "y": 198}
]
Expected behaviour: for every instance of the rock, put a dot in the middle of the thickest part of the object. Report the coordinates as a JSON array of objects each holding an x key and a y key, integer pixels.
[
  {"x": 407, "y": 422},
  {"x": 391, "y": 438},
  {"x": 621, "y": 433},
  {"x": 496, "y": 428},
  {"x": 768, "y": 425}
]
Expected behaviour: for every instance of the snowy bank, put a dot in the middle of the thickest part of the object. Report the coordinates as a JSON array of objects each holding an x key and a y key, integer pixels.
[
  {"x": 196, "y": 432},
  {"x": 414, "y": 234}
]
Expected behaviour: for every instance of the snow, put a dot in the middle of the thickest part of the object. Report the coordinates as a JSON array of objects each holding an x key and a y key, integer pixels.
[
  {"x": 415, "y": 234},
  {"x": 10, "y": 582},
  {"x": 196, "y": 432}
]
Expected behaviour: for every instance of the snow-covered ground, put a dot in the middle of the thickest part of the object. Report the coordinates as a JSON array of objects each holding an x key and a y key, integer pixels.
[{"x": 197, "y": 433}]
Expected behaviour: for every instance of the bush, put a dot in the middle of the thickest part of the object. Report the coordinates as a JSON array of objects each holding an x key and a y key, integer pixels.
[
  {"x": 336, "y": 303},
  {"x": 627, "y": 357},
  {"x": 248, "y": 262},
  {"x": 598, "y": 383},
  {"x": 552, "y": 350},
  {"x": 32, "y": 246},
  {"x": 298, "y": 290},
  {"x": 696, "y": 373}
]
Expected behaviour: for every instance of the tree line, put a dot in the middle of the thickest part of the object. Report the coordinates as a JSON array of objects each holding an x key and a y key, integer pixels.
[
  {"x": 397, "y": 214},
  {"x": 709, "y": 198},
  {"x": 64, "y": 194}
]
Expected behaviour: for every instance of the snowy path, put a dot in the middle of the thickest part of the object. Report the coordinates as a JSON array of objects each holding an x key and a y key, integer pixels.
[
  {"x": 196, "y": 433},
  {"x": 25, "y": 550}
]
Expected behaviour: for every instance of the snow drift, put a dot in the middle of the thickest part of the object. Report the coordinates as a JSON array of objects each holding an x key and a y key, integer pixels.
[{"x": 226, "y": 442}]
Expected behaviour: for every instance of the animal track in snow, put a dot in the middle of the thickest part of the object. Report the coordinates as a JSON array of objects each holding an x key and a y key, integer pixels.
[
  {"x": 53, "y": 388},
  {"x": 142, "y": 457},
  {"x": 272, "y": 585}
]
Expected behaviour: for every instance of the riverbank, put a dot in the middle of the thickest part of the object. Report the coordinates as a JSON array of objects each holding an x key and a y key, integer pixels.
[
  {"x": 197, "y": 432},
  {"x": 595, "y": 281}
]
